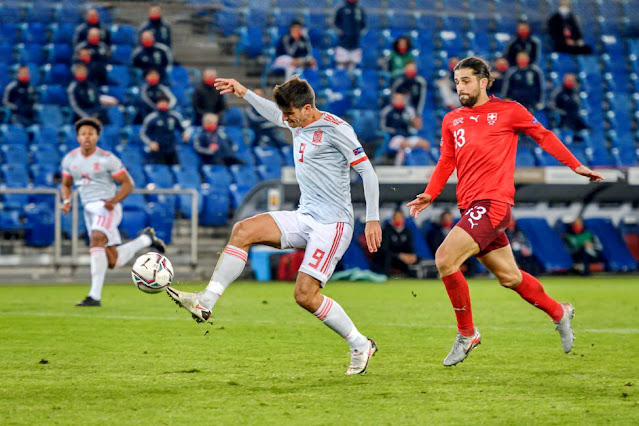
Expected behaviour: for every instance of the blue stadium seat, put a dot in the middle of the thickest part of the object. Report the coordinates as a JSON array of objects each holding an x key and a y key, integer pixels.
[
  {"x": 69, "y": 14},
  {"x": 375, "y": 20},
  {"x": 31, "y": 53},
  {"x": 161, "y": 216},
  {"x": 56, "y": 73},
  {"x": 244, "y": 175},
  {"x": 121, "y": 54},
  {"x": 179, "y": 76},
  {"x": 136, "y": 172},
  {"x": 45, "y": 154},
  {"x": 227, "y": 20},
  {"x": 15, "y": 176},
  {"x": 50, "y": 115},
  {"x": 547, "y": 246},
  {"x": 40, "y": 231},
  {"x": 54, "y": 94},
  {"x": 354, "y": 256},
  {"x": 251, "y": 42},
  {"x": 118, "y": 75},
  {"x": 286, "y": 153},
  {"x": 14, "y": 134},
  {"x": 9, "y": 33},
  {"x": 62, "y": 33},
  {"x": 257, "y": 18},
  {"x": 44, "y": 175},
  {"x": 238, "y": 137},
  {"x": 33, "y": 34},
  {"x": 313, "y": 77},
  {"x": 215, "y": 206},
  {"x": 10, "y": 220},
  {"x": 188, "y": 157},
  {"x": 615, "y": 252},
  {"x": 6, "y": 52},
  {"x": 417, "y": 157},
  {"x": 218, "y": 177},
  {"x": 16, "y": 154},
  {"x": 134, "y": 217},
  {"x": 451, "y": 42},
  {"x": 40, "y": 12},
  {"x": 234, "y": 116},
  {"x": 10, "y": 13},
  {"x": 123, "y": 34},
  {"x": 366, "y": 124},
  {"x": 270, "y": 163},
  {"x": 160, "y": 175},
  {"x": 187, "y": 178},
  {"x": 238, "y": 193},
  {"x": 129, "y": 154},
  {"x": 401, "y": 20},
  {"x": 43, "y": 134}
]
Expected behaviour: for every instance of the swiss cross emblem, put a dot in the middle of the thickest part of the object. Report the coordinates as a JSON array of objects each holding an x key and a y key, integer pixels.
[
  {"x": 492, "y": 118},
  {"x": 317, "y": 136},
  {"x": 96, "y": 167}
]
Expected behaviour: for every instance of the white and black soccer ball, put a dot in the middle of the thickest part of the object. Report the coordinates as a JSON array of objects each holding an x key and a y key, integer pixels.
[{"x": 152, "y": 272}]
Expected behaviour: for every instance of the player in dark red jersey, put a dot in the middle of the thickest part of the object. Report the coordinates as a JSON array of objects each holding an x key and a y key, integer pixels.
[{"x": 480, "y": 141}]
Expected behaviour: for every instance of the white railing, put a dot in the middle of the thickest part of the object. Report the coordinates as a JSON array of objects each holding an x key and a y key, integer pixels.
[{"x": 72, "y": 260}]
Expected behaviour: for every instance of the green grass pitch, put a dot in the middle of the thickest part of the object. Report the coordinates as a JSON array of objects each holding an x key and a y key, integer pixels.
[{"x": 141, "y": 360}]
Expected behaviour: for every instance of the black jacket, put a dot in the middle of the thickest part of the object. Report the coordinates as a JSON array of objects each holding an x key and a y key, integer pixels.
[
  {"x": 158, "y": 57},
  {"x": 160, "y": 127},
  {"x": 530, "y": 45},
  {"x": 300, "y": 48},
  {"x": 19, "y": 98},
  {"x": 206, "y": 98},
  {"x": 557, "y": 24},
  {"x": 525, "y": 86},
  {"x": 161, "y": 31},
  {"x": 397, "y": 122},
  {"x": 82, "y": 30},
  {"x": 84, "y": 98},
  {"x": 414, "y": 89},
  {"x": 350, "y": 20}
]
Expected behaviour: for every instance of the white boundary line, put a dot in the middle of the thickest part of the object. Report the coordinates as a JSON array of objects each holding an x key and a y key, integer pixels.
[{"x": 260, "y": 321}]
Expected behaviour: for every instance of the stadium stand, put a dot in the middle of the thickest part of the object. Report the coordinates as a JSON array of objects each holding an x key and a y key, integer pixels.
[{"x": 38, "y": 34}]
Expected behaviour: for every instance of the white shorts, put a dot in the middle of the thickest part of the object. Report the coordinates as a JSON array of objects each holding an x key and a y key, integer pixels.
[
  {"x": 97, "y": 218},
  {"x": 396, "y": 142},
  {"x": 343, "y": 56},
  {"x": 325, "y": 244}
]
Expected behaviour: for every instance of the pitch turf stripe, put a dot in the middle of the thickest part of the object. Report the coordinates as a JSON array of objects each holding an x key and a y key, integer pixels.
[
  {"x": 302, "y": 323},
  {"x": 336, "y": 241},
  {"x": 236, "y": 252}
]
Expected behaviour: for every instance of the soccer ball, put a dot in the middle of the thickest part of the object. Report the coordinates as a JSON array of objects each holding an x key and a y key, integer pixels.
[{"x": 152, "y": 272}]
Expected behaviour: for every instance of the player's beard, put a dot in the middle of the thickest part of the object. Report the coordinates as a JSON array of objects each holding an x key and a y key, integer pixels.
[{"x": 470, "y": 101}]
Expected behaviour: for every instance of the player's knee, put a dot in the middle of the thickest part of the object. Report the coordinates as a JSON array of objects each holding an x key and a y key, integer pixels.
[
  {"x": 98, "y": 239},
  {"x": 509, "y": 279},
  {"x": 241, "y": 234},
  {"x": 444, "y": 262},
  {"x": 304, "y": 298}
]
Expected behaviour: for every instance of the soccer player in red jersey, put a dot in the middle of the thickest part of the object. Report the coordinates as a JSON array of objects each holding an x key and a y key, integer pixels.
[{"x": 480, "y": 141}]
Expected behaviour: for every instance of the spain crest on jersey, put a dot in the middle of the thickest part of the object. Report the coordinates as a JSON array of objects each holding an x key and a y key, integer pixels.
[
  {"x": 492, "y": 118},
  {"x": 317, "y": 136}
]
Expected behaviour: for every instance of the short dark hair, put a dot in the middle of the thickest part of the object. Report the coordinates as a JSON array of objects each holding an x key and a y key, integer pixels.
[
  {"x": 295, "y": 23},
  {"x": 162, "y": 97},
  {"x": 88, "y": 121},
  {"x": 479, "y": 65},
  {"x": 295, "y": 93}
]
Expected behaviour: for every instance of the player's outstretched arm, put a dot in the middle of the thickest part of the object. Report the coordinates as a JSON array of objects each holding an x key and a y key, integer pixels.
[
  {"x": 591, "y": 174},
  {"x": 266, "y": 108},
  {"x": 373, "y": 230},
  {"x": 230, "y": 85}
]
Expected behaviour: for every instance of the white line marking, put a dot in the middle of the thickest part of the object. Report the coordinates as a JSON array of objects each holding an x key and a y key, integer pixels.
[{"x": 261, "y": 321}]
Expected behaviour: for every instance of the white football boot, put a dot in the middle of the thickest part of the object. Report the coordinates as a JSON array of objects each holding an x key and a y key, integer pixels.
[
  {"x": 360, "y": 360},
  {"x": 564, "y": 327},
  {"x": 191, "y": 303},
  {"x": 461, "y": 348}
]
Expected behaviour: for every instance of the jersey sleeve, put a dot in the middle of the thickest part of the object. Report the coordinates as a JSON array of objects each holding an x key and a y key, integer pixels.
[
  {"x": 524, "y": 122},
  {"x": 114, "y": 166},
  {"x": 346, "y": 142},
  {"x": 66, "y": 166},
  {"x": 447, "y": 144}
]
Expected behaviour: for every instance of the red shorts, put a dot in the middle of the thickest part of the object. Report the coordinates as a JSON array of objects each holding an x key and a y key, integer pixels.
[{"x": 486, "y": 221}]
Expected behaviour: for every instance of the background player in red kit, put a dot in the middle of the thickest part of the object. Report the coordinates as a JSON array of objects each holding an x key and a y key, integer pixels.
[{"x": 480, "y": 141}]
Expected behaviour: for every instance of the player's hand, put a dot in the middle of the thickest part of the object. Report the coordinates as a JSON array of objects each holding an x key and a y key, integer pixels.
[
  {"x": 66, "y": 208},
  {"x": 422, "y": 201},
  {"x": 373, "y": 232},
  {"x": 109, "y": 205},
  {"x": 230, "y": 85},
  {"x": 591, "y": 174},
  {"x": 154, "y": 146}
]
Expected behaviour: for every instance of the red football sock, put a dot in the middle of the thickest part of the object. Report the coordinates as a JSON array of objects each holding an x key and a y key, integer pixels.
[
  {"x": 533, "y": 292},
  {"x": 457, "y": 289}
]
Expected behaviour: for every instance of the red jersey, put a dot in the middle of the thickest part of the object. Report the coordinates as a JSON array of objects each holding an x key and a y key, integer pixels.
[{"x": 481, "y": 143}]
